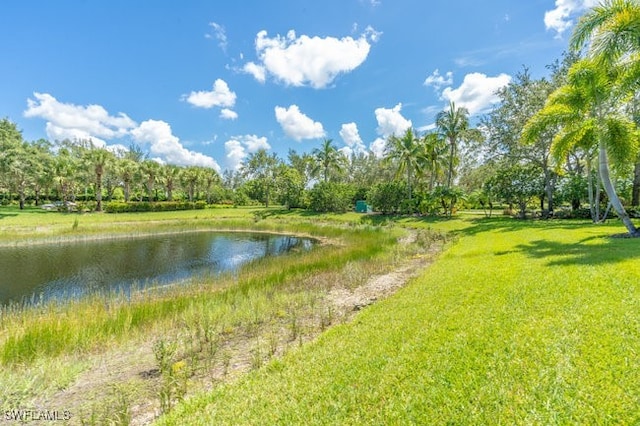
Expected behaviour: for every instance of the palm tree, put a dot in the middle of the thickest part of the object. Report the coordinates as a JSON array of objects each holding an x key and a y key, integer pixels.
[
  {"x": 453, "y": 125},
  {"x": 127, "y": 171},
  {"x": 612, "y": 28},
  {"x": 435, "y": 156},
  {"x": 587, "y": 110},
  {"x": 328, "y": 158},
  {"x": 191, "y": 177},
  {"x": 149, "y": 169},
  {"x": 406, "y": 151},
  {"x": 170, "y": 175},
  {"x": 97, "y": 159}
]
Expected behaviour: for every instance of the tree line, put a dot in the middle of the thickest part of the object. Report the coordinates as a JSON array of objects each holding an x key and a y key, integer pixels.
[{"x": 567, "y": 139}]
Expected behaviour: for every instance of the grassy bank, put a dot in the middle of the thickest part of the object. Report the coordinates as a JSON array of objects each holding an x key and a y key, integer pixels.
[
  {"x": 518, "y": 323},
  {"x": 161, "y": 345}
]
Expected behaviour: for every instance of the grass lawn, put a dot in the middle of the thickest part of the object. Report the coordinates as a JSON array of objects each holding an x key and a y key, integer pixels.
[{"x": 517, "y": 323}]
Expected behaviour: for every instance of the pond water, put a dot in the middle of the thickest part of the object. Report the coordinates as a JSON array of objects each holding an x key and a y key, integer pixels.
[{"x": 34, "y": 273}]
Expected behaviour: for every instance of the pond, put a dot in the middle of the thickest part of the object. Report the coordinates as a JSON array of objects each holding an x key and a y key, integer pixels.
[{"x": 35, "y": 273}]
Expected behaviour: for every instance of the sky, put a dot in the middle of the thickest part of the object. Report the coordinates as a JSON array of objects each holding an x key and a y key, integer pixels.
[{"x": 204, "y": 82}]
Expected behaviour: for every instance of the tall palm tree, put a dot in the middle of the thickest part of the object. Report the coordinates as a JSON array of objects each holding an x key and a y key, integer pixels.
[
  {"x": 453, "y": 125},
  {"x": 127, "y": 171},
  {"x": 613, "y": 31},
  {"x": 587, "y": 110},
  {"x": 612, "y": 28},
  {"x": 435, "y": 148},
  {"x": 149, "y": 169},
  {"x": 407, "y": 153},
  {"x": 328, "y": 159},
  {"x": 97, "y": 159},
  {"x": 170, "y": 175}
]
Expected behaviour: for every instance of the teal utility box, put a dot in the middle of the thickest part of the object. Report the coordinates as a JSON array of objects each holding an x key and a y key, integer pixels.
[{"x": 362, "y": 207}]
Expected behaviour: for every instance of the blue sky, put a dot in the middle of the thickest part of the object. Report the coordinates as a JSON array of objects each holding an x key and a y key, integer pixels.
[{"x": 208, "y": 82}]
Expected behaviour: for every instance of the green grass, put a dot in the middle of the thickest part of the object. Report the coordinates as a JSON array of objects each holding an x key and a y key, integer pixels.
[
  {"x": 269, "y": 305},
  {"x": 518, "y": 323}
]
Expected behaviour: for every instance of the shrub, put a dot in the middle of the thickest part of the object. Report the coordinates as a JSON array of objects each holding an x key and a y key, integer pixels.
[
  {"x": 387, "y": 197},
  {"x": 331, "y": 197},
  {"x": 144, "y": 206}
]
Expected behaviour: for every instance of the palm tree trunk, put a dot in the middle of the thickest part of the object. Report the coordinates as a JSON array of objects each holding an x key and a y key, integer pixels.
[
  {"x": 635, "y": 192},
  {"x": 611, "y": 193},
  {"x": 98, "y": 192},
  {"x": 594, "y": 217},
  {"x": 450, "y": 171}
]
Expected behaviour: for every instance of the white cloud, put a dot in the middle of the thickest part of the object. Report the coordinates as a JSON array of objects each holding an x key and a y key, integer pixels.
[
  {"x": 296, "y": 125},
  {"x": 69, "y": 121},
  {"x": 228, "y": 114},
  {"x": 238, "y": 147},
  {"x": 220, "y": 34},
  {"x": 477, "y": 92},
  {"x": 309, "y": 61},
  {"x": 257, "y": 71},
  {"x": 436, "y": 80},
  {"x": 378, "y": 147},
  {"x": 235, "y": 154},
  {"x": 561, "y": 18},
  {"x": 351, "y": 137},
  {"x": 221, "y": 96},
  {"x": 391, "y": 122},
  {"x": 167, "y": 147}
]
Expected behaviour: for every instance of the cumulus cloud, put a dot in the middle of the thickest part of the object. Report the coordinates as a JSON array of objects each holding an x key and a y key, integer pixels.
[
  {"x": 309, "y": 61},
  {"x": 561, "y": 18},
  {"x": 437, "y": 81},
  {"x": 296, "y": 125},
  {"x": 391, "y": 121},
  {"x": 477, "y": 92},
  {"x": 378, "y": 147},
  {"x": 220, "y": 96},
  {"x": 351, "y": 137},
  {"x": 228, "y": 114},
  {"x": 167, "y": 147},
  {"x": 238, "y": 147},
  {"x": 257, "y": 71},
  {"x": 69, "y": 121}
]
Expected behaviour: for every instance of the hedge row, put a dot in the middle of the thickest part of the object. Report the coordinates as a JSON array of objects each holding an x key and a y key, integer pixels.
[{"x": 162, "y": 206}]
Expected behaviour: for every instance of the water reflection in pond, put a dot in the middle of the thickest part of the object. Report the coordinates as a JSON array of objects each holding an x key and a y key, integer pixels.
[{"x": 64, "y": 270}]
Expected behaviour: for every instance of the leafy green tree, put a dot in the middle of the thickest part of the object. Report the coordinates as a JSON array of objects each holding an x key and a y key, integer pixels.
[
  {"x": 517, "y": 184},
  {"x": 10, "y": 142},
  {"x": 587, "y": 110},
  {"x": 42, "y": 169},
  {"x": 290, "y": 186},
  {"x": 261, "y": 169},
  {"x": 331, "y": 197},
  {"x": 387, "y": 197}
]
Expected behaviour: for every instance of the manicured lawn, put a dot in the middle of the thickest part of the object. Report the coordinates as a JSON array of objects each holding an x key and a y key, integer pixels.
[{"x": 517, "y": 323}]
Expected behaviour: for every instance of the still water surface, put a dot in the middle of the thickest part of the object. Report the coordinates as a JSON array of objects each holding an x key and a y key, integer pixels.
[{"x": 36, "y": 273}]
